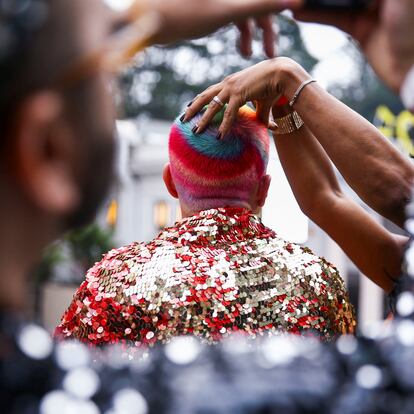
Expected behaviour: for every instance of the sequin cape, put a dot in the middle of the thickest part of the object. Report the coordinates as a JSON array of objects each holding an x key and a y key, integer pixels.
[{"x": 211, "y": 274}]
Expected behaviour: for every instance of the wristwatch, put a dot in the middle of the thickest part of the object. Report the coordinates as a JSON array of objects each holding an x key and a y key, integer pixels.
[{"x": 288, "y": 124}]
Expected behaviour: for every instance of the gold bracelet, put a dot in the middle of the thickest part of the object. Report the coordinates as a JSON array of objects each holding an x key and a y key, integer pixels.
[{"x": 288, "y": 124}]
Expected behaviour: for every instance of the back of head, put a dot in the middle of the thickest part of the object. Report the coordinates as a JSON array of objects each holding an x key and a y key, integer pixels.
[
  {"x": 211, "y": 173},
  {"x": 40, "y": 41}
]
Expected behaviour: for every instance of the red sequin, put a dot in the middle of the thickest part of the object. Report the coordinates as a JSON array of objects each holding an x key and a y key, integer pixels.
[{"x": 211, "y": 274}]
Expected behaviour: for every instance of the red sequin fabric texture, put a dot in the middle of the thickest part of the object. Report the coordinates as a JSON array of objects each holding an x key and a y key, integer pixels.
[{"x": 218, "y": 272}]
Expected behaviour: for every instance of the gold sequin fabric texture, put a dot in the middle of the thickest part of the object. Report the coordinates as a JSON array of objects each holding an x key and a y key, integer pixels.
[{"x": 211, "y": 274}]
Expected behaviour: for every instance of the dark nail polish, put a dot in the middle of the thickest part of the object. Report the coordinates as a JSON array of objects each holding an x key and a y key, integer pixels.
[
  {"x": 189, "y": 103},
  {"x": 194, "y": 130},
  {"x": 182, "y": 117},
  {"x": 218, "y": 136}
]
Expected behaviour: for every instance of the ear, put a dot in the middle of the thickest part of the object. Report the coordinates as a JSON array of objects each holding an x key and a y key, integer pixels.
[
  {"x": 263, "y": 190},
  {"x": 168, "y": 181},
  {"x": 43, "y": 154}
]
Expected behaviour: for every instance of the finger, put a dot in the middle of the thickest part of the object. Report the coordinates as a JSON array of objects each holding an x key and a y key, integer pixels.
[
  {"x": 246, "y": 37},
  {"x": 212, "y": 110},
  {"x": 230, "y": 116},
  {"x": 263, "y": 110},
  {"x": 272, "y": 124},
  {"x": 275, "y": 28},
  {"x": 266, "y": 24},
  {"x": 201, "y": 101}
]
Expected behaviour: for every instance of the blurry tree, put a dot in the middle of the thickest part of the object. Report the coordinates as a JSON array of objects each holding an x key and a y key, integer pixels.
[
  {"x": 88, "y": 244},
  {"x": 165, "y": 78},
  {"x": 82, "y": 247},
  {"x": 68, "y": 259}
]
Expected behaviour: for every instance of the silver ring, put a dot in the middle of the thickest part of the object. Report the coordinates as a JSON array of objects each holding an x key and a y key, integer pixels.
[{"x": 217, "y": 100}]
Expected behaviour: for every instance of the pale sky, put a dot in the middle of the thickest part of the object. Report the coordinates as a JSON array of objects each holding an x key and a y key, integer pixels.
[{"x": 326, "y": 44}]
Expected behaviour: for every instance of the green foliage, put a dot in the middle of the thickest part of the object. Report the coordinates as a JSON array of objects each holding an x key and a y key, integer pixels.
[
  {"x": 89, "y": 243},
  {"x": 83, "y": 247},
  {"x": 51, "y": 257}
]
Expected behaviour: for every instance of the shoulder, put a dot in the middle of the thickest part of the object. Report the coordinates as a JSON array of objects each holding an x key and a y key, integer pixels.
[
  {"x": 124, "y": 265},
  {"x": 116, "y": 260},
  {"x": 296, "y": 257},
  {"x": 120, "y": 254},
  {"x": 136, "y": 252}
]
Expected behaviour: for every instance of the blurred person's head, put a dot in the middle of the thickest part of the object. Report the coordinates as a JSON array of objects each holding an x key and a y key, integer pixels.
[
  {"x": 56, "y": 143},
  {"x": 206, "y": 173}
]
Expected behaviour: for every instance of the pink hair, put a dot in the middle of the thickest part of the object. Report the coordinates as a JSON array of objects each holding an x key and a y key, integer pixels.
[{"x": 211, "y": 173}]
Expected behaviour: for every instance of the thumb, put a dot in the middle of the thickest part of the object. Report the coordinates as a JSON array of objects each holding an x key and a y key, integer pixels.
[{"x": 263, "y": 112}]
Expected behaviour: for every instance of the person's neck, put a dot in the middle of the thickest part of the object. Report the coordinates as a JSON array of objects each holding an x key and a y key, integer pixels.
[
  {"x": 22, "y": 241},
  {"x": 189, "y": 212}
]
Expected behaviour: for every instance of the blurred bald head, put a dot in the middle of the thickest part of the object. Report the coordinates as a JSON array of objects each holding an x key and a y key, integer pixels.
[
  {"x": 40, "y": 39},
  {"x": 56, "y": 142}
]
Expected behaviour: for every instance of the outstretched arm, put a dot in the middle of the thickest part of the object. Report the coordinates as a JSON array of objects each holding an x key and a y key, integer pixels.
[
  {"x": 376, "y": 252},
  {"x": 184, "y": 19},
  {"x": 371, "y": 165}
]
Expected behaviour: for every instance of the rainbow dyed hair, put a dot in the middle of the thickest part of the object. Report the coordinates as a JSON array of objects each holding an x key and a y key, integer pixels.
[{"x": 210, "y": 173}]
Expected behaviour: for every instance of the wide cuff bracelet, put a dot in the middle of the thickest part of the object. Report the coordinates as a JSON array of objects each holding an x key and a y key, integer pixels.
[{"x": 288, "y": 124}]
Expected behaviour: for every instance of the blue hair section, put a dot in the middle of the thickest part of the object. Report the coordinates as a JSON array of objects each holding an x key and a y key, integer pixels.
[
  {"x": 207, "y": 144},
  {"x": 241, "y": 135}
]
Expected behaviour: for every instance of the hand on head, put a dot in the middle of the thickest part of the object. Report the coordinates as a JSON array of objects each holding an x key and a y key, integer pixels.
[{"x": 262, "y": 84}]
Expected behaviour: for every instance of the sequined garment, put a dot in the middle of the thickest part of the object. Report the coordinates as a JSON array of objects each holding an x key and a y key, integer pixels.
[{"x": 211, "y": 274}]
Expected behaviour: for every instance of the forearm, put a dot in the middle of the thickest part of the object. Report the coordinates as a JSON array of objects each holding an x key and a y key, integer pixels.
[
  {"x": 375, "y": 251},
  {"x": 376, "y": 170},
  {"x": 183, "y": 20},
  {"x": 308, "y": 169},
  {"x": 371, "y": 165}
]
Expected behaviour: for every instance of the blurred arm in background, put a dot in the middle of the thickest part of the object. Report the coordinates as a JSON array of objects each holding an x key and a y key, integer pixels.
[
  {"x": 385, "y": 33},
  {"x": 187, "y": 19}
]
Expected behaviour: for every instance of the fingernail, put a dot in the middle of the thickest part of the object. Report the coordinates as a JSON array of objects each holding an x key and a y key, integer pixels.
[
  {"x": 218, "y": 136},
  {"x": 190, "y": 103},
  {"x": 194, "y": 130},
  {"x": 182, "y": 117}
]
